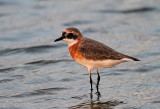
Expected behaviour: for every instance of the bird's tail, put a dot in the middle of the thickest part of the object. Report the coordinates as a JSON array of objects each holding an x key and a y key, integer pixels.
[{"x": 133, "y": 58}]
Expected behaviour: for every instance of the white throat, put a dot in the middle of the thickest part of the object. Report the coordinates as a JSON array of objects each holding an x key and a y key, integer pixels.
[{"x": 70, "y": 42}]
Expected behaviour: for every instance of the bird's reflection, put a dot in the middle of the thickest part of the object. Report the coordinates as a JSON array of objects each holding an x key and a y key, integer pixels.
[{"x": 96, "y": 102}]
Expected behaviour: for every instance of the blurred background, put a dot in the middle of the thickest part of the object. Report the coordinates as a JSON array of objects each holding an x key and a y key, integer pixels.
[{"x": 36, "y": 73}]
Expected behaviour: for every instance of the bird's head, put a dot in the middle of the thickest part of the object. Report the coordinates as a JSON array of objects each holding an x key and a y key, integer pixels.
[{"x": 70, "y": 36}]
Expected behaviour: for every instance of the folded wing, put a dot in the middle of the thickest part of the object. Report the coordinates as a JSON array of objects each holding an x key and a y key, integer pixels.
[{"x": 95, "y": 50}]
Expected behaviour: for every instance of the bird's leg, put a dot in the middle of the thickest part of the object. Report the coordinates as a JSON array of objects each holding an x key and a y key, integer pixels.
[
  {"x": 90, "y": 77},
  {"x": 98, "y": 80},
  {"x": 91, "y": 81},
  {"x": 91, "y": 96}
]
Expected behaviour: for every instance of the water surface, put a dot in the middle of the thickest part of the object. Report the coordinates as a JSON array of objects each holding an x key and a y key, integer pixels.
[{"x": 36, "y": 73}]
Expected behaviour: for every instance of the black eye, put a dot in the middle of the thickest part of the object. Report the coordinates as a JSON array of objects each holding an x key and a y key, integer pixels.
[{"x": 71, "y": 36}]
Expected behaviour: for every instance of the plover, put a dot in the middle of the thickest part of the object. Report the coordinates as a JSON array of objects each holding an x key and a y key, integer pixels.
[{"x": 91, "y": 53}]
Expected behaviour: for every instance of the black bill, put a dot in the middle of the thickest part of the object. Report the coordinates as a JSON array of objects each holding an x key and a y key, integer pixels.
[{"x": 59, "y": 39}]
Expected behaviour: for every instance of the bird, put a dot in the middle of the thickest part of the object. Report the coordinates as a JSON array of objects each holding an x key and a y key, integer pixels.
[{"x": 92, "y": 54}]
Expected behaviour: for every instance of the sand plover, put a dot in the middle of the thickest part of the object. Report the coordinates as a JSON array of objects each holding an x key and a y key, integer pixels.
[{"x": 90, "y": 53}]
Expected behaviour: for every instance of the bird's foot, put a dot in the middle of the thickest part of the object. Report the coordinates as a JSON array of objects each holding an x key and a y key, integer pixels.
[{"x": 98, "y": 93}]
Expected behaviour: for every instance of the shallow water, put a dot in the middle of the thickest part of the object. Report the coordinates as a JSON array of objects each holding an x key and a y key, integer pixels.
[{"x": 36, "y": 73}]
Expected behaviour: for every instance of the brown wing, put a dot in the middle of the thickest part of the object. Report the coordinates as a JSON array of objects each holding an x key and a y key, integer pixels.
[{"x": 95, "y": 50}]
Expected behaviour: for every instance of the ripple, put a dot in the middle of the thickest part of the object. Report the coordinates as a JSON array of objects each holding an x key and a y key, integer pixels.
[
  {"x": 110, "y": 74},
  {"x": 79, "y": 97},
  {"x": 12, "y": 107},
  {"x": 4, "y": 3},
  {"x": 3, "y": 14},
  {"x": 147, "y": 68},
  {"x": 18, "y": 76},
  {"x": 142, "y": 69},
  {"x": 47, "y": 91},
  {"x": 46, "y": 62},
  {"x": 67, "y": 79},
  {"x": 74, "y": 23},
  {"x": 34, "y": 49},
  {"x": 91, "y": 30},
  {"x": 5, "y": 80},
  {"x": 129, "y": 11},
  {"x": 6, "y": 70},
  {"x": 15, "y": 77},
  {"x": 2, "y": 97},
  {"x": 39, "y": 7},
  {"x": 156, "y": 102}
]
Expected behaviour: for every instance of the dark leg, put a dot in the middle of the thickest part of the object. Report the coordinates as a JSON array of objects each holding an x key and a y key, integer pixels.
[
  {"x": 98, "y": 80},
  {"x": 90, "y": 80},
  {"x": 91, "y": 96},
  {"x": 90, "y": 77}
]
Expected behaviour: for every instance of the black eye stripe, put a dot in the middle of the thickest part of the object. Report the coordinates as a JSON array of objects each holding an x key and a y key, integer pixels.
[
  {"x": 71, "y": 36},
  {"x": 64, "y": 33}
]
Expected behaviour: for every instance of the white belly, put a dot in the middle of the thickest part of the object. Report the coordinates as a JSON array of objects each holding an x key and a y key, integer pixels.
[{"x": 90, "y": 64}]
